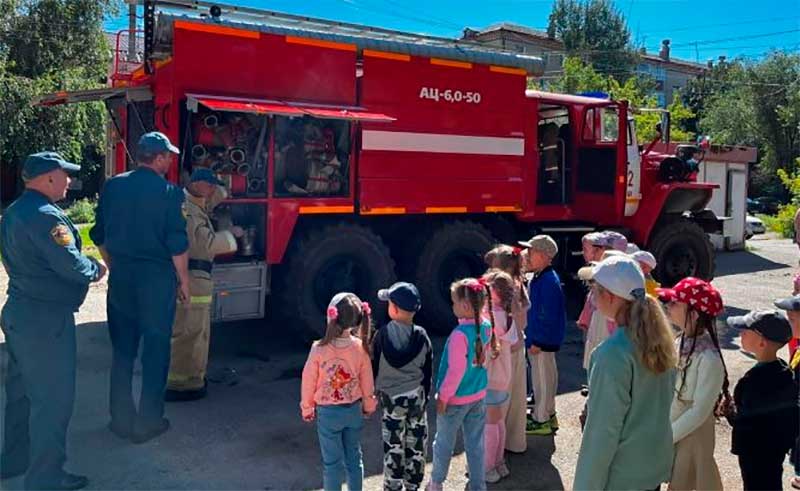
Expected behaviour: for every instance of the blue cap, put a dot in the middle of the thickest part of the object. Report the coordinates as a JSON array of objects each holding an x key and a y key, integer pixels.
[
  {"x": 404, "y": 295},
  {"x": 154, "y": 143},
  {"x": 44, "y": 162},
  {"x": 204, "y": 174}
]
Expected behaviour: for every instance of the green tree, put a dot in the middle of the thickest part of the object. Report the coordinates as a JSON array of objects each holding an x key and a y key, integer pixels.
[
  {"x": 595, "y": 31},
  {"x": 46, "y": 46},
  {"x": 755, "y": 103}
]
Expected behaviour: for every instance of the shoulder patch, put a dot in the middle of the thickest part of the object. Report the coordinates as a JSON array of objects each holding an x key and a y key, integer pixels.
[{"x": 61, "y": 235}]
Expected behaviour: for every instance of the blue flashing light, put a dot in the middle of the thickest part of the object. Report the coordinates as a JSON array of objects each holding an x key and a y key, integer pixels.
[{"x": 595, "y": 94}]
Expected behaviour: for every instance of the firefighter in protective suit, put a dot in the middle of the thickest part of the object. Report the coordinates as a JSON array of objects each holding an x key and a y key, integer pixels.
[{"x": 192, "y": 329}]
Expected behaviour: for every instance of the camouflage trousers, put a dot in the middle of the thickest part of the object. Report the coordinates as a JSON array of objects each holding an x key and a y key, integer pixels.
[{"x": 405, "y": 437}]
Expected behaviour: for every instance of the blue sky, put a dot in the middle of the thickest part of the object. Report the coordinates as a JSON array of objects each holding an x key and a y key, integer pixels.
[{"x": 731, "y": 28}]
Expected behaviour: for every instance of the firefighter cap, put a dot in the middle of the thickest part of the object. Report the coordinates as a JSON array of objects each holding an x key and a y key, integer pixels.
[
  {"x": 204, "y": 174},
  {"x": 154, "y": 143},
  {"x": 44, "y": 162}
]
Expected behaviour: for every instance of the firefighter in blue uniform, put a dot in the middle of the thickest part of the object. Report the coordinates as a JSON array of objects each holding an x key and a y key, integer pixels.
[
  {"x": 48, "y": 281},
  {"x": 140, "y": 229}
]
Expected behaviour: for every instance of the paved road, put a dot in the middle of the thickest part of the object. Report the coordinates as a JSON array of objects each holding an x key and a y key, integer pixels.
[{"x": 249, "y": 435}]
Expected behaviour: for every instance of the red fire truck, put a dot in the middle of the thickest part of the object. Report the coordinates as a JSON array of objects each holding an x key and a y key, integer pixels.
[{"x": 355, "y": 156}]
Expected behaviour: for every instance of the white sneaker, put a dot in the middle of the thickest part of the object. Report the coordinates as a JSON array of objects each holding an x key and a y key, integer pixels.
[
  {"x": 493, "y": 476},
  {"x": 502, "y": 469}
]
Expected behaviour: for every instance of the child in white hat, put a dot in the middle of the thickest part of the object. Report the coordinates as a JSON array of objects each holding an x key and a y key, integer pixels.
[{"x": 648, "y": 263}]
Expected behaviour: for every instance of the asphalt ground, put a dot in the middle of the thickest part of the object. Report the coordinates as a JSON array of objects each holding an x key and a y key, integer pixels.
[{"x": 248, "y": 433}]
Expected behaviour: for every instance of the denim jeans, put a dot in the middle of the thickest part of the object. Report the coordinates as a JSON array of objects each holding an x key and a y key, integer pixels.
[
  {"x": 339, "y": 429},
  {"x": 471, "y": 418}
]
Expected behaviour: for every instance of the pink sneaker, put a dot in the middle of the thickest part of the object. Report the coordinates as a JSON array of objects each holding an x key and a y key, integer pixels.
[{"x": 434, "y": 486}]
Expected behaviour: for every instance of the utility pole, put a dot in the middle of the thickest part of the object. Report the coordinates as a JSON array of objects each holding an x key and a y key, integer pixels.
[{"x": 132, "y": 31}]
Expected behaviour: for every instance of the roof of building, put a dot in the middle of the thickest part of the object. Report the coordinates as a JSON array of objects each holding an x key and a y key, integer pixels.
[{"x": 542, "y": 37}]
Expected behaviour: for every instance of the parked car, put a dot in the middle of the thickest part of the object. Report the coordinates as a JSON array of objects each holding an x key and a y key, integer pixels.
[
  {"x": 753, "y": 206},
  {"x": 753, "y": 226},
  {"x": 765, "y": 204}
]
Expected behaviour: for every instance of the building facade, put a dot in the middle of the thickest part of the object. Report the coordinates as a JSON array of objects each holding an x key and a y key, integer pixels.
[{"x": 669, "y": 74}]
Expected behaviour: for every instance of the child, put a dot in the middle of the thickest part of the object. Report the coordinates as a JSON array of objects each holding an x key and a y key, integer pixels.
[
  {"x": 402, "y": 359},
  {"x": 627, "y": 441},
  {"x": 461, "y": 386},
  {"x": 792, "y": 307},
  {"x": 766, "y": 423},
  {"x": 693, "y": 306},
  {"x": 337, "y": 390},
  {"x": 544, "y": 333},
  {"x": 499, "y": 368},
  {"x": 597, "y": 326},
  {"x": 509, "y": 259},
  {"x": 648, "y": 263}
]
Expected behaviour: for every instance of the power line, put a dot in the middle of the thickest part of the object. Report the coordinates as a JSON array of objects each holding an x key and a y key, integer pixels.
[
  {"x": 737, "y": 38},
  {"x": 726, "y": 24}
]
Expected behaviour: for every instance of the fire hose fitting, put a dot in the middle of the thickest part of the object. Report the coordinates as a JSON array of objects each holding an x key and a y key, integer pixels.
[
  {"x": 237, "y": 155},
  {"x": 199, "y": 152},
  {"x": 211, "y": 121},
  {"x": 243, "y": 169},
  {"x": 255, "y": 185}
]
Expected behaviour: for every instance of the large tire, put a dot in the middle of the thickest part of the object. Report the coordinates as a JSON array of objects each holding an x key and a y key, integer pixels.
[
  {"x": 331, "y": 260},
  {"x": 454, "y": 251},
  {"x": 682, "y": 249}
]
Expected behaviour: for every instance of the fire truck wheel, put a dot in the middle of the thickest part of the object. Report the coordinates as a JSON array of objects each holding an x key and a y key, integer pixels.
[
  {"x": 682, "y": 249},
  {"x": 454, "y": 251},
  {"x": 333, "y": 259}
]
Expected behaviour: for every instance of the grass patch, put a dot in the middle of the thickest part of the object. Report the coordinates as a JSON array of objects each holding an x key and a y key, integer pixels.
[{"x": 88, "y": 248}]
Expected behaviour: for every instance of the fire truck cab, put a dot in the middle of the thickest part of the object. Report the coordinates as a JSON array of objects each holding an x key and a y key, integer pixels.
[{"x": 355, "y": 156}]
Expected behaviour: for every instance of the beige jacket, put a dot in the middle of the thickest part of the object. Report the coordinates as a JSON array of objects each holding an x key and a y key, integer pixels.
[{"x": 204, "y": 242}]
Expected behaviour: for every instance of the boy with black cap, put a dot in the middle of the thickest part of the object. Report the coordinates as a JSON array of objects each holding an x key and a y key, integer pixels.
[
  {"x": 792, "y": 307},
  {"x": 402, "y": 361},
  {"x": 765, "y": 424}
]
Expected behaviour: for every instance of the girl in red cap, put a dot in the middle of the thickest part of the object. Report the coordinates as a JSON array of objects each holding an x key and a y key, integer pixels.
[{"x": 701, "y": 385}]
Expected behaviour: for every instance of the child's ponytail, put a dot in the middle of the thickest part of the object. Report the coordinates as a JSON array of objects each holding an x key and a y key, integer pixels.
[
  {"x": 475, "y": 301},
  {"x": 365, "y": 331},
  {"x": 650, "y": 332},
  {"x": 493, "y": 343}
]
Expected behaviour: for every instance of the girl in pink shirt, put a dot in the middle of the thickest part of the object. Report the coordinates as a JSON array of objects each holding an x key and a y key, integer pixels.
[
  {"x": 509, "y": 259},
  {"x": 338, "y": 390},
  {"x": 499, "y": 368}
]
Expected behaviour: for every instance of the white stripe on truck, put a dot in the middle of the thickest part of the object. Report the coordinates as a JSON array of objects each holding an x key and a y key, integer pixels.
[{"x": 402, "y": 141}]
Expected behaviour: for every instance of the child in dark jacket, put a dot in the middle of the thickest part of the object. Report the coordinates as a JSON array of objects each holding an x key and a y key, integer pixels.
[
  {"x": 544, "y": 334},
  {"x": 402, "y": 365},
  {"x": 765, "y": 424}
]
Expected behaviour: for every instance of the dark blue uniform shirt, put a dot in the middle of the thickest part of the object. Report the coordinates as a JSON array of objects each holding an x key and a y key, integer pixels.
[
  {"x": 41, "y": 251},
  {"x": 140, "y": 218}
]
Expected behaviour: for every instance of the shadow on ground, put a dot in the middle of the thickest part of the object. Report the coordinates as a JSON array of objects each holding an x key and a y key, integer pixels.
[{"x": 743, "y": 262}]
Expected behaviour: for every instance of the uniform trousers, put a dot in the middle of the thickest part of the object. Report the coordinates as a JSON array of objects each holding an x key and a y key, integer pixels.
[
  {"x": 40, "y": 390},
  {"x": 141, "y": 309},
  {"x": 190, "y": 337}
]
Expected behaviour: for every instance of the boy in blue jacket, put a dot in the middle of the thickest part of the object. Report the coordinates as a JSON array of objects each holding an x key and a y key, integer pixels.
[{"x": 547, "y": 322}]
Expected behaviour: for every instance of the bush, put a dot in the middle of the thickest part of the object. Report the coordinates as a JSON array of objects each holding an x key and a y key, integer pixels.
[
  {"x": 783, "y": 222},
  {"x": 81, "y": 211}
]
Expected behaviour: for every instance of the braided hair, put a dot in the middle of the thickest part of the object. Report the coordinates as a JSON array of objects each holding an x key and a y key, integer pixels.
[{"x": 475, "y": 293}]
